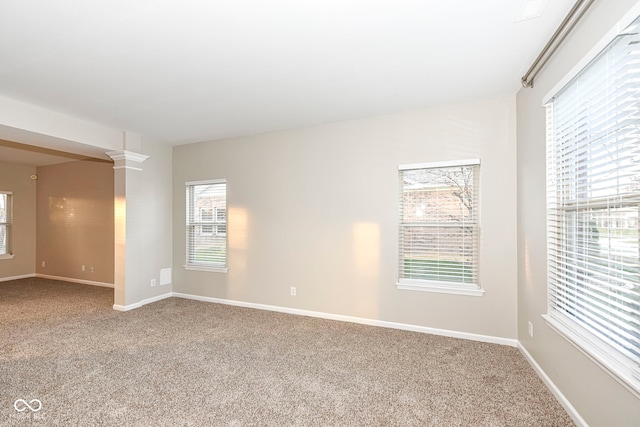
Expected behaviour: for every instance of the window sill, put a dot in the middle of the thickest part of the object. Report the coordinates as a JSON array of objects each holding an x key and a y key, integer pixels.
[
  {"x": 440, "y": 287},
  {"x": 7, "y": 256},
  {"x": 212, "y": 269},
  {"x": 599, "y": 352}
]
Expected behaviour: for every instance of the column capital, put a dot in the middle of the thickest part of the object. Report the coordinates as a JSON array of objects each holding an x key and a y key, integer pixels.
[{"x": 124, "y": 159}]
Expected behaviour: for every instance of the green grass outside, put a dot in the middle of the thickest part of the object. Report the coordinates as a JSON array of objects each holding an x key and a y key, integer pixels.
[
  {"x": 438, "y": 270},
  {"x": 210, "y": 254}
]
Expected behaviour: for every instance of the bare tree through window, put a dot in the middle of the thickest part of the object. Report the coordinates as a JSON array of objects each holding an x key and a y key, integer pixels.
[{"x": 439, "y": 226}]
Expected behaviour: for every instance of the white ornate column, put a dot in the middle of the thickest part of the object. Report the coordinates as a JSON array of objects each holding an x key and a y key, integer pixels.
[{"x": 124, "y": 162}]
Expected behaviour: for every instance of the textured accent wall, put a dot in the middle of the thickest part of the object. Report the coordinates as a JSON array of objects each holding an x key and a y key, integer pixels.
[{"x": 75, "y": 221}]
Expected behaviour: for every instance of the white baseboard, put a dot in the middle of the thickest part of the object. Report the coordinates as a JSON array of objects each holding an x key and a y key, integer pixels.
[
  {"x": 146, "y": 301},
  {"x": 119, "y": 307},
  {"x": 564, "y": 402},
  {"x": 69, "y": 279},
  {"x": 352, "y": 319},
  {"x": 23, "y": 276},
  {"x": 156, "y": 298}
]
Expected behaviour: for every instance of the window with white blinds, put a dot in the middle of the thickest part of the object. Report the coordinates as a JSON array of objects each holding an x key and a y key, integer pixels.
[
  {"x": 439, "y": 227},
  {"x": 206, "y": 225},
  {"x": 5, "y": 224},
  {"x": 593, "y": 205}
]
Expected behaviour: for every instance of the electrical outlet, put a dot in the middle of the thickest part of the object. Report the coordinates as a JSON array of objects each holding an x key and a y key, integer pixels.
[
  {"x": 91, "y": 269},
  {"x": 82, "y": 267},
  {"x": 153, "y": 282},
  {"x": 293, "y": 291},
  {"x": 531, "y": 329},
  {"x": 43, "y": 263}
]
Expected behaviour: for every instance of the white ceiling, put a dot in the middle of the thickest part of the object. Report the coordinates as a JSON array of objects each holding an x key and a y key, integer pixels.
[{"x": 193, "y": 70}]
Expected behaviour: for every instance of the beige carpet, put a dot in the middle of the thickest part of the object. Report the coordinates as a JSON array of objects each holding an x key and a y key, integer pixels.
[{"x": 185, "y": 363}]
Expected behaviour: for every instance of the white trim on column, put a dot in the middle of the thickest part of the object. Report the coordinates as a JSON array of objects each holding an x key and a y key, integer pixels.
[
  {"x": 126, "y": 159},
  {"x": 146, "y": 301}
]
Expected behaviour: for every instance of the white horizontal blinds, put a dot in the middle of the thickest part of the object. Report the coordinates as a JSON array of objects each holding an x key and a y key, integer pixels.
[
  {"x": 5, "y": 222},
  {"x": 439, "y": 225},
  {"x": 221, "y": 220},
  {"x": 594, "y": 198},
  {"x": 207, "y": 224}
]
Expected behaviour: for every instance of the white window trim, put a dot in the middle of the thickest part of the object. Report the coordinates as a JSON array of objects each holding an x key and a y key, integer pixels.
[
  {"x": 438, "y": 287},
  {"x": 212, "y": 268},
  {"x": 594, "y": 348},
  {"x": 205, "y": 181},
  {"x": 452, "y": 288},
  {"x": 196, "y": 267},
  {"x": 9, "y": 255},
  {"x": 615, "y": 31},
  {"x": 443, "y": 164}
]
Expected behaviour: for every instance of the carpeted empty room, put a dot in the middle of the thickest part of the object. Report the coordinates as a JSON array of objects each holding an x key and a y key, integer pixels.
[{"x": 180, "y": 362}]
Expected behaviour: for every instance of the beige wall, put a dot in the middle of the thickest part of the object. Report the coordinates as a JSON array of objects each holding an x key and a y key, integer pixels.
[
  {"x": 599, "y": 399},
  {"x": 148, "y": 225},
  {"x": 16, "y": 178},
  {"x": 317, "y": 208},
  {"x": 75, "y": 221}
]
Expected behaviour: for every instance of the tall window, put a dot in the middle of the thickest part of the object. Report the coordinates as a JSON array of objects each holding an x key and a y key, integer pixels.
[
  {"x": 5, "y": 224},
  {"x": 593, "y": 201},
  {"x": 439, "y": 227},
  {"x": 206, "y": 225}
]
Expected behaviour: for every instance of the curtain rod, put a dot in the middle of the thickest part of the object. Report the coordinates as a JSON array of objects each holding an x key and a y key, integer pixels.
[{"x": 570, "y": 21}]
